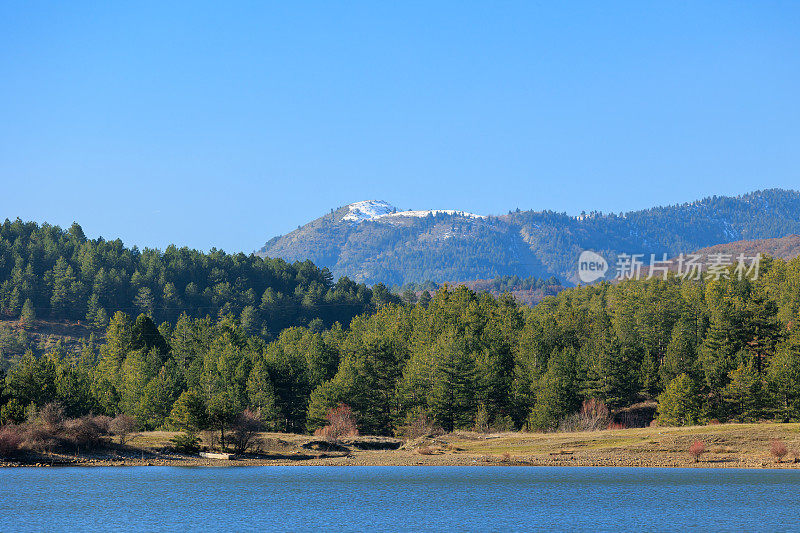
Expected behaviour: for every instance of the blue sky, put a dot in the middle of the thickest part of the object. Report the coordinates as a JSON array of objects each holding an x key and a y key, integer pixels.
[{"x": 209, "y": 124}]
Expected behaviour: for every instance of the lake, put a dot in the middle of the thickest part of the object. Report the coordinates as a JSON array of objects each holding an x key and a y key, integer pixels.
[{"x": 309, "y": 498}]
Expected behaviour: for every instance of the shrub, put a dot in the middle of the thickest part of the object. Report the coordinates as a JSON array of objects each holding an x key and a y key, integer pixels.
[
  {"x": 418, "y": 424},
  {"x": 12, "y": 412},
  {"x": 39, "y": 437},
  {"x": 592, "y": 416},
  {"x": 10, "y": 440},
  {"x": 482, "y": 419},
  {"x": 425, "y": 450},
  {"x": 778, "y": 450},
  {"x": 85, "y": 431},
  {"x": 103, "y": 423},
  {"x": 503, "y": 424},
  {"x": 52, "y": 417},
  {"x": 122, "y": 426},
  {"x": 341, "y": 423},
  {"x": 245, "y": 429},
  {"x": 697, "y": 449},
  {"x": 186, "y": 442}
]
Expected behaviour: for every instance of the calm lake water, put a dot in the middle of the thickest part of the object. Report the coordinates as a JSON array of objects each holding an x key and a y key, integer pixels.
[{"x": 397, "y": 498}]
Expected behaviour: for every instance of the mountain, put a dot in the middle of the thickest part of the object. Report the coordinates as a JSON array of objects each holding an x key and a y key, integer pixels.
[
  {"x": 373, "y": 241},
  {"x": 786, "y": 248}
]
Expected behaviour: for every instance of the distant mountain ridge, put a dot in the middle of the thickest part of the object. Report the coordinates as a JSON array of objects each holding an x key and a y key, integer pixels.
[
  {"x": 786, "y": 248},
  {"x": 373, "y": 241}
]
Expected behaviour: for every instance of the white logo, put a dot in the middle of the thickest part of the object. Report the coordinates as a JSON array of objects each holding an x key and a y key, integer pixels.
[{"x": 591, "y": 266}]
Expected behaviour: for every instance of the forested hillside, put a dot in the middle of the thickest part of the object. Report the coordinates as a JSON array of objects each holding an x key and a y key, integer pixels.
[
  {"x": 450, "y": 246},
  {"x": 704, "y": 350},
  {"x": 50, "y": 273}
]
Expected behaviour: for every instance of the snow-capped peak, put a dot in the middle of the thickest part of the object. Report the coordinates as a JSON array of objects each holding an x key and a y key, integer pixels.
[
  {"x": 367, "y": 210},
  {"x": 425, "y": 213},
  {"x": 384, "y": 211}
]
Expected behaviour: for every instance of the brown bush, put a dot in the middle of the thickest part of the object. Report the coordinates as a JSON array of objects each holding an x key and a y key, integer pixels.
[
  {"x": 592, "y": 416},
  {"x": 417, "y": 425},
  {"x": 51, "y": 416},
  {"x": 103, "y": 422},
  {"x": 697, "y": 449},
  {"x": 10, "y": 440},
  {"x": 616, "y": 425},
  {"x": 425, "y": 450},
  {"x": 341, "y": 423},
  {"x": 39, "y": 437},
  {"x": 122, "y": 426},
  {"x": 85, "y": 431},
  {"x": 245, "y": 429},
  {"x": 778, "y": 450}
]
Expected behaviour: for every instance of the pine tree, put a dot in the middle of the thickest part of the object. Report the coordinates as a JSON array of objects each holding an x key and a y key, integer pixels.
[
  {"x": 681, "y": 354},
  {"x": 249, "y": 320},
  {"x": 744, "y": 393},
  {"x": 718, "y": 354},
  {"x": 261, "y": 394},
  {"x": 679, "y": 404},
  {"x": 66, "y": 289},
  {"x": 613, "y": 372},
  {"x": 762, "y": 328},
  {"x": 189, "y": 413},
  {"x": 92, "y": 309},
  {"x": 27, "y": 315},
  {"x": 454, "y": 392},
  {"x": 101, "y": 319},
  {"x": 144, "y": 301},
  {"x": 557, "y": 394},
  {"x": 424, "y": 299},
  {"x": 783, "y": 376}
]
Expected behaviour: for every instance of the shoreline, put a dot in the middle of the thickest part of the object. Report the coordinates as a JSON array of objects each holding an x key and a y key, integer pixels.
[{"x": 727, "y": 446}]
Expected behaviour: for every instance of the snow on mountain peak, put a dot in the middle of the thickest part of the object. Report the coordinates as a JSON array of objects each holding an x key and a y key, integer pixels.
[
  {"x": 367, "y": 210},
  {"x": 425, "y": 213},
  {"x": 380, "y": 210}
]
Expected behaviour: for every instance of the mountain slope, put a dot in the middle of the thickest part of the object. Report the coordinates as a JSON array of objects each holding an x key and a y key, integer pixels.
[{"x": 374, "y": 242}]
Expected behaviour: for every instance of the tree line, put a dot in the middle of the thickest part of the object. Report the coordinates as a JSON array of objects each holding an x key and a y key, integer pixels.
[
  {"x": 726, "y": 349},
  {"x": 48, "y": 272}
]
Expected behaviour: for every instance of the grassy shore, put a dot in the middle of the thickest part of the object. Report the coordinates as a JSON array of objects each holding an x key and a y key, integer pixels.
[{"x": 727, "y": 446}]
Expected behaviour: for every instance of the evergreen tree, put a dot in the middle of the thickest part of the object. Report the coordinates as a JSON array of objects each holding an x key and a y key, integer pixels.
[
  {"x": 33, "y": 380},
  {"x": 557, "y": 393},
  {"x": 92, "y": 309},
  {"x": 144, "y": 301},
  {"x": 783, "y": 376},
  {"x": 66, "y": 289},
  {"x": 28, "y": 315},
  {"x": 719, "y": 354},
  {"x": 744, "y": 393},
  {"x": 454, "y": 388},
  {"x": 189, "y": 413},
  {"x": 101, "y": 319},
  {"x": 612, "y": 373},
  {"x": 679, "y": 404},
  {"x": 681, "y": 356}
]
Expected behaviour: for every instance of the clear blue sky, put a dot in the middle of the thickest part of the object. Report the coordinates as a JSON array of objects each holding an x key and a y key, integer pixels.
[{"x": 207, "y": 124}]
